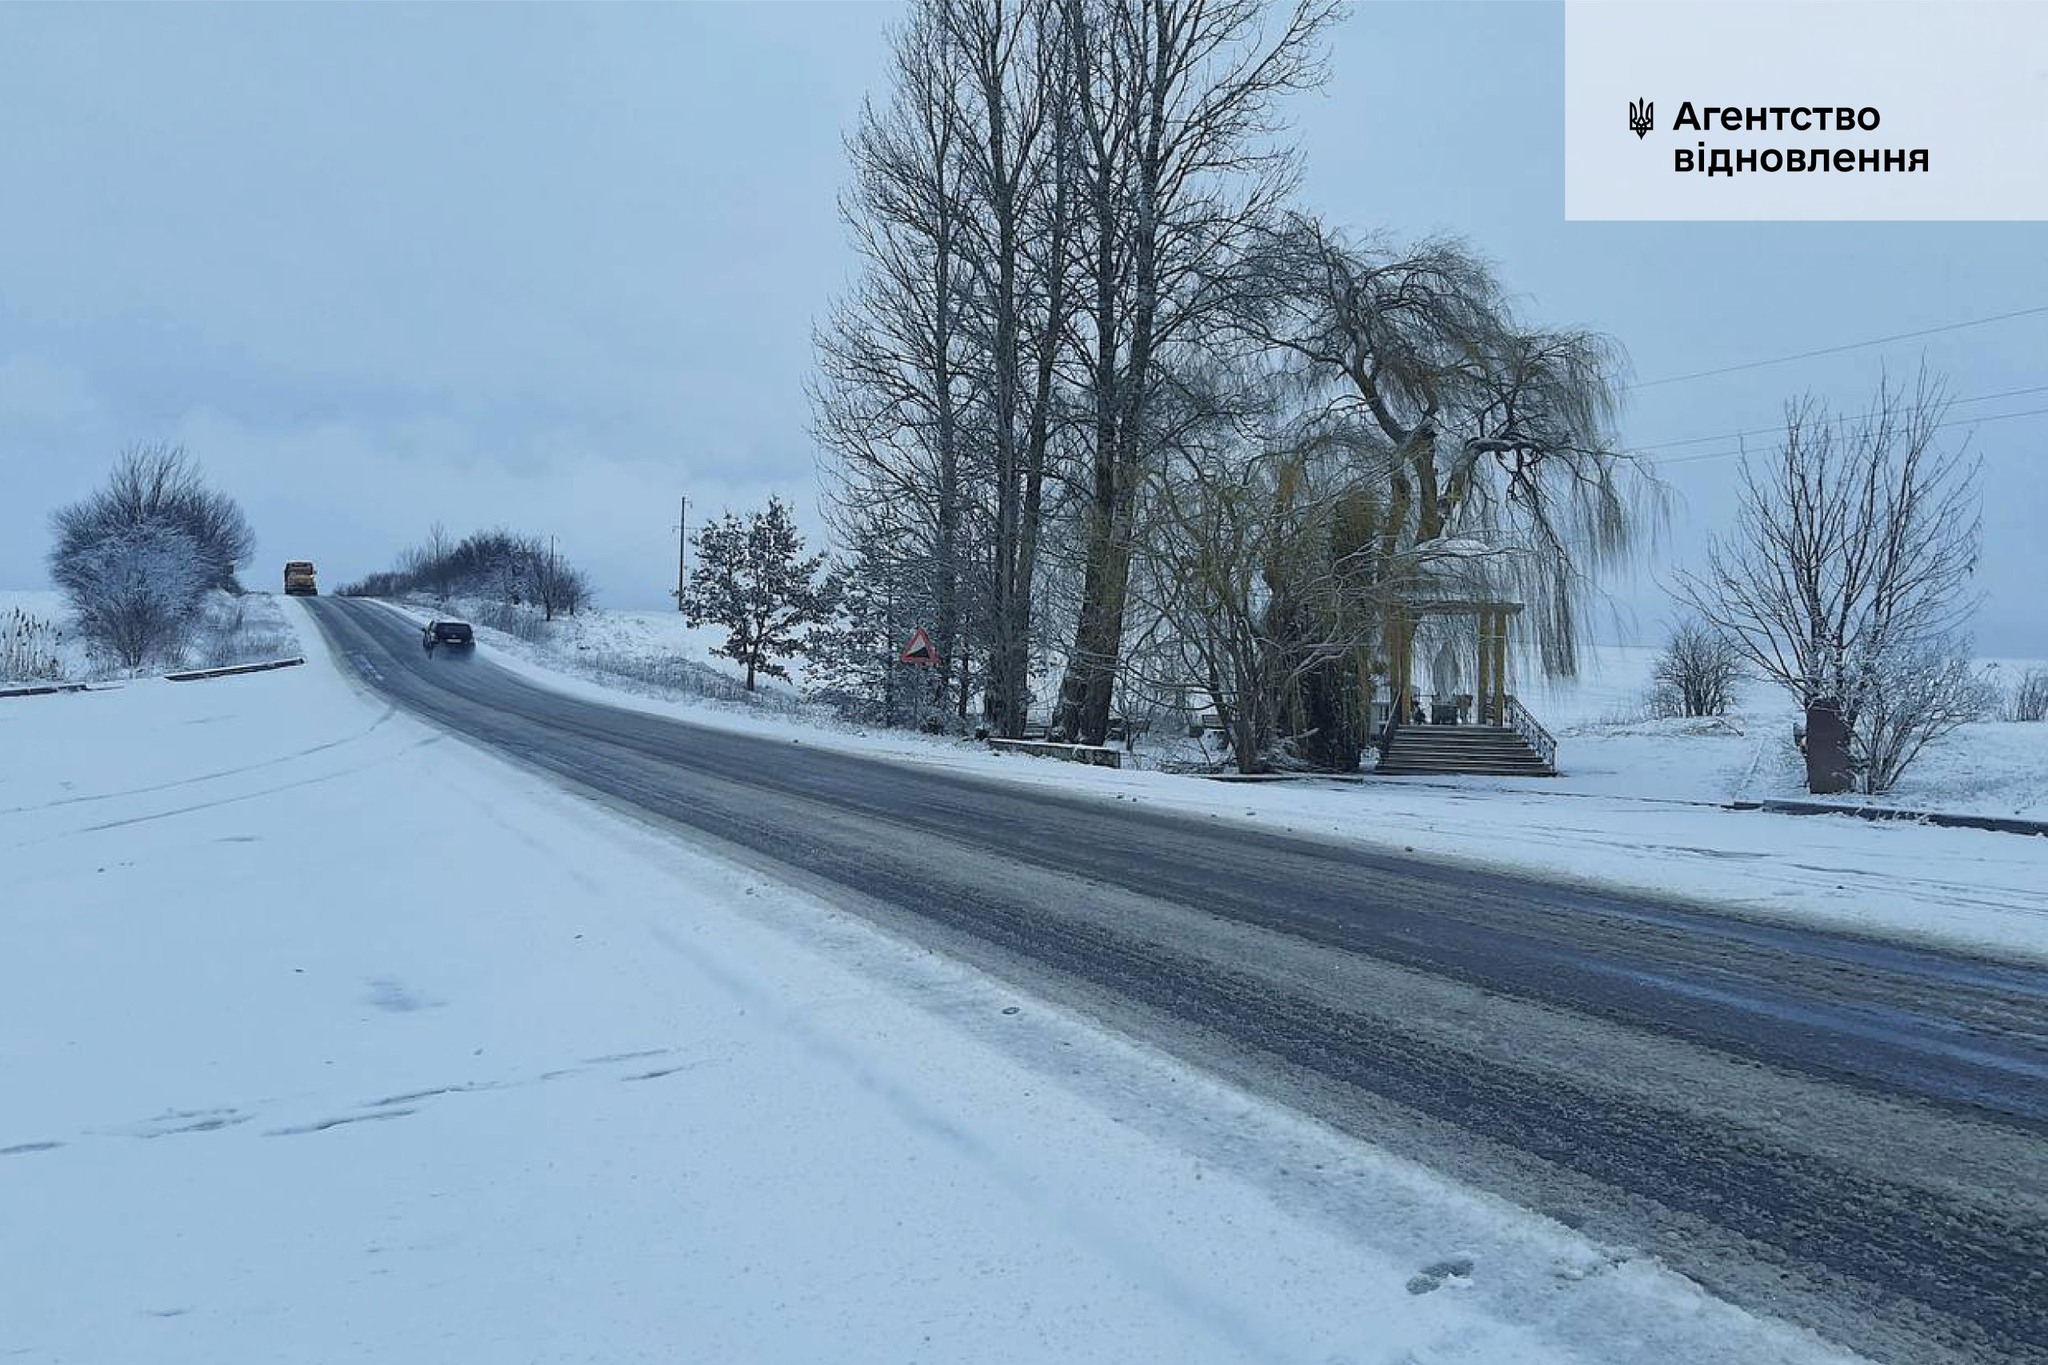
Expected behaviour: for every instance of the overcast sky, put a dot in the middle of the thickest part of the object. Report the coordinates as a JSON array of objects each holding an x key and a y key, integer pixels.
[{"x": 552, "y": 266}]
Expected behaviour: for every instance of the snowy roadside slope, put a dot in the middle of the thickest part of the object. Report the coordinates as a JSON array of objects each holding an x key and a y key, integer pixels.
[
  {"x": 631, "y": 650},
  {"x": 325, "y": 1037},
  {"x": 1953, "y": 887}
]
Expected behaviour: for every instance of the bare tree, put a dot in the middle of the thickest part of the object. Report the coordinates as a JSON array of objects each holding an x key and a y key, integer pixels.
[
  {"x": 1179, "y": 163},
  {"x": 1849, "y": 570},
  {"x": 1017, "y": 154},
  {"x": 1259, "y": 567},
  {"x": 553, "y": 583},
  {"x": 1240, "y": 579},
  {"x": 939, "y": 381},
  {"x": 892, "y": 391},
  {"x": 435, "y": 562},
  {"x": 1696, "y": 673}
]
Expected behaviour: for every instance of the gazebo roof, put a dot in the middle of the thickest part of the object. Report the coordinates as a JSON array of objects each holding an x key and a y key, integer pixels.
[{"x": 1463, "y": 607}]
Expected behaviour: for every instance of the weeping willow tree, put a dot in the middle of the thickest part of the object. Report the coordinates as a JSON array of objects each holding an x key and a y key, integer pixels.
[
  {"x": 1491, "y": 467},
  {"x": 1263, "y": 578}
]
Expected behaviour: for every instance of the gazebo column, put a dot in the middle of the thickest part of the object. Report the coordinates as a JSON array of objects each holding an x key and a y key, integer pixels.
[
  {"x": 1482, "y": 694},
  {"x": 1401, "y": 665},
  {"x": 1500, "y": 668}
]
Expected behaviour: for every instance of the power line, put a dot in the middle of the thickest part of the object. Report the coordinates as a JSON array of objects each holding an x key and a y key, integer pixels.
[
  {"x": 1837, "y": 350},
  {"x": 1834, "y": 421},
  {"x": 1938, "y": 426}
]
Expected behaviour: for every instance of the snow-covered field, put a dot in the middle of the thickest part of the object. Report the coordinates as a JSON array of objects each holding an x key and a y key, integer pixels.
[
  {"x": 1608, "y": 747},
  {"x": 325, "y": 1037}
]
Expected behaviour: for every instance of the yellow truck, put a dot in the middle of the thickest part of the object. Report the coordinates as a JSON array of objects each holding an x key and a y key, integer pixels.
[{"x": 298, "y": 579}]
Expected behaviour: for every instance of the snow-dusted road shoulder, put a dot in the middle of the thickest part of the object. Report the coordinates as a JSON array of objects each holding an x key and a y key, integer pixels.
[{"x": 325, "y": 1037}]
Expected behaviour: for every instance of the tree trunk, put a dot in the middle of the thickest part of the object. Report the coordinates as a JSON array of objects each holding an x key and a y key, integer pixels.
[{"x": 1329, "y": 704}]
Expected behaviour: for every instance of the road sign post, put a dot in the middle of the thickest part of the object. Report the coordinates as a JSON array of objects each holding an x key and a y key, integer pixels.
[{"x": 923, "y": 653}]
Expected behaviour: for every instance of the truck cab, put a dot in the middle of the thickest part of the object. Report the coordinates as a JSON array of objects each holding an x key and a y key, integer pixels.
[{"x": 299, "y": 580}]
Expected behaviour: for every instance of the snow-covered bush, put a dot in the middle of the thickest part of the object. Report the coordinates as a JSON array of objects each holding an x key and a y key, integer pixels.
[
  {"x": 159, "y": 484},
  {"x": 136, "y": 591},
  {"x": 518, "y": 622},
  {"x": 1909, "y": 700},
  {"x": 136, "y": 556},
  {"x": 498, "y": 566}
]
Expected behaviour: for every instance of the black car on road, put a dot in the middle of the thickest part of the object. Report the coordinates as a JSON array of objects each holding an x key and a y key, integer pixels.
[{"x": 449, "y": 634}]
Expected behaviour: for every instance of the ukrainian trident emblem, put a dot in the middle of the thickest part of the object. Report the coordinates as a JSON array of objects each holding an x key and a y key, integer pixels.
[{"x": 1641, "y": 117}]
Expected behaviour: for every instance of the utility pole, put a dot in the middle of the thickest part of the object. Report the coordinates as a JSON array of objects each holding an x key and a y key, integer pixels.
[{"x": 682, "y": 552}]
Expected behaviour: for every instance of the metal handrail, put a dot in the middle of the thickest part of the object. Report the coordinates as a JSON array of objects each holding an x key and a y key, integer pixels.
[
  {"x": 1531, "y": 730},
  {"x": 1384, "y": 740}
]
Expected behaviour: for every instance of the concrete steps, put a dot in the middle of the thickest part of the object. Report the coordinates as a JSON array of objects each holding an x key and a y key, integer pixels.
[{"x": 1481, "y": 750}]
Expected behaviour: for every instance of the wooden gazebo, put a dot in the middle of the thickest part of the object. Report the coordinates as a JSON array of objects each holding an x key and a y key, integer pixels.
[
  {"x": 1491, "y": 618},
  {"x": 1501, "y": 737}
]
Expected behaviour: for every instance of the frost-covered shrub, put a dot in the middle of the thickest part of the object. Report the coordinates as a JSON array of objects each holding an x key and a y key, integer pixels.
[
  {"x": 157, "y": 484},
  {"x": 1908, "y": 699},
  {"x": 136, "y": 591},
  {"x": 136, "y": 556},
  {"x": 500, "y": 566}
]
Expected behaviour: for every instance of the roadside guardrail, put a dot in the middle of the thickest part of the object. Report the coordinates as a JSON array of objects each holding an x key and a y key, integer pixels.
[{"x": 201, "y": 674}]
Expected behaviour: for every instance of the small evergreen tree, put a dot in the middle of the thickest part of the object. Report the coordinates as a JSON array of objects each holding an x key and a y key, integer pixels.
[{"x": 753, "y": 578}]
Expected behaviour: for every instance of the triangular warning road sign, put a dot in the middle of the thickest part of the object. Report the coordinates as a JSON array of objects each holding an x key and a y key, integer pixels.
[{"x": 920, "y": 650}]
